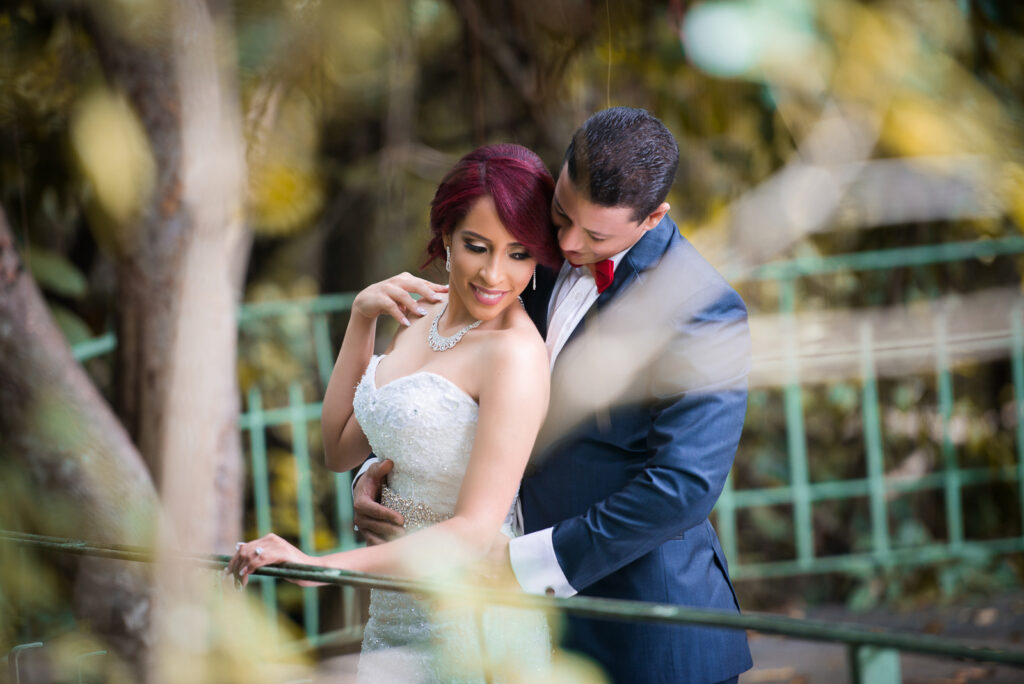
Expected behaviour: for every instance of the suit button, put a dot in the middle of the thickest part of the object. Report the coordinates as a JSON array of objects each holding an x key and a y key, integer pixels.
[{"x": 550, "y": 591}]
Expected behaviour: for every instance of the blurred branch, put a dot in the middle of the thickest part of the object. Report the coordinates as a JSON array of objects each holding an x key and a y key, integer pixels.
[
  {"x": 524, "y": 80},
  {"x": 399, "y": 130},
  {"x": 84, "y": 474},
  {"x": 904, "y": 340}
]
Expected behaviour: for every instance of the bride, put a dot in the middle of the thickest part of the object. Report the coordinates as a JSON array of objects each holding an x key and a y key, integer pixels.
[{"x": 455, "y": 403}]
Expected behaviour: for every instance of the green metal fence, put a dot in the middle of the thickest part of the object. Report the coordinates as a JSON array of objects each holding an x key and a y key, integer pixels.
[
  {"x": 873, "y": 653},
  {"x": 802, "y": 494},
  {"x": 311, "y": 327},
  {"x": 298, "y": 414}
]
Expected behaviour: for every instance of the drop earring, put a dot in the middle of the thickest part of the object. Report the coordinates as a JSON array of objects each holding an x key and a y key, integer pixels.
[
  {"x": 535, "y": 279},
  {"x": 448, "y": 258}
]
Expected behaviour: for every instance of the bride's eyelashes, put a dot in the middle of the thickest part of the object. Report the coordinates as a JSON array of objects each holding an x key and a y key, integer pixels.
[{"x": 480, "y": 249}]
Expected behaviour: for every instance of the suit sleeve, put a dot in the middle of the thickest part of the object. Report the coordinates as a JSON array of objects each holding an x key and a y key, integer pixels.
[{"x": 697, "y": 404}]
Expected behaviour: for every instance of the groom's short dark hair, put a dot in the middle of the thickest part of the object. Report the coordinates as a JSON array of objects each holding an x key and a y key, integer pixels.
[{"x": 623, "y": 157}]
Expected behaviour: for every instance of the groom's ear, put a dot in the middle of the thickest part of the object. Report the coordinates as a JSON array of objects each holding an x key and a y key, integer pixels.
[{"x": 654, "y": 218}]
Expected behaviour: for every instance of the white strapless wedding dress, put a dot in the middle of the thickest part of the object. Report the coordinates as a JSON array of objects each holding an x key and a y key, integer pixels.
[{"x": 426, "y": 425}]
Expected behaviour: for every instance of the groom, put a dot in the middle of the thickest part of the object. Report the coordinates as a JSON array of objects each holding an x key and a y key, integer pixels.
[{"x": 617, "y": 497}]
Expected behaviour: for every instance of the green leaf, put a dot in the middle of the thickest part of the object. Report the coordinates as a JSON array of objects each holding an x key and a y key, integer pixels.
[
  {"x": 56, "y": 274},
  {"x": 74, "y": 328}
]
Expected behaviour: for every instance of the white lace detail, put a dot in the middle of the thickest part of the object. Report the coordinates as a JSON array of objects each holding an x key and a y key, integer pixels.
[{"x": 425, "y": 424}]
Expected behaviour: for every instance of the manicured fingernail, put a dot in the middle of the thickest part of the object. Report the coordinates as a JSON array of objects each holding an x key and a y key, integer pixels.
[
  {"x": 405, "y": 321},
  {"x": 421, "y": 311},
  {"x": 243, "y": 571}
]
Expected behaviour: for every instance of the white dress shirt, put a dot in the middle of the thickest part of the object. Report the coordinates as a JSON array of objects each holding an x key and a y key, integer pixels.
[{"x": 533, "y": 555}]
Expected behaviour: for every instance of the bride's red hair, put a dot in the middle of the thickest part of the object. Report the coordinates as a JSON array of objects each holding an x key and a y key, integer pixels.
[{"x": 521, "y": 187}]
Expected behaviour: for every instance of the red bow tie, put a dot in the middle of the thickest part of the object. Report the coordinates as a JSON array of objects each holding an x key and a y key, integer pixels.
[{"x": 603, "y": 271}]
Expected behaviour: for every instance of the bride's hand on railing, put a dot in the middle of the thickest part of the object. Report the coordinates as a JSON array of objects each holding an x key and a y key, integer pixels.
[
  {"x": 393, "y": 297},
  {"x": 268, "y": 550},
  {"x": 494, "y": 571}
]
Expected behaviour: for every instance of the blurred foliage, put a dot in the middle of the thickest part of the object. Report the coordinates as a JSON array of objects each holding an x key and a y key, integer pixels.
[
  {"x": 285, "y": 190},
  {"x": 53, "y": 272},
  {"x": 31, "y": 588},
  {"x": 113, "y": 152},
  {"x": 277, "y": 351},
  {"x": 353, "y": 111}
]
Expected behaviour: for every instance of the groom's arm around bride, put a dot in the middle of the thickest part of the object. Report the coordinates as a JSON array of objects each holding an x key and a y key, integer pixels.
[
  {"x": 649, "y": 351},
  {"x": 646, "y": 412}
]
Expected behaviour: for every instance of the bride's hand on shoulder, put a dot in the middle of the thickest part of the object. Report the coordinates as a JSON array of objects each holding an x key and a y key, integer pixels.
[
  {"x": 393, "y": 297},
  {"x": 268, "y": 550}
]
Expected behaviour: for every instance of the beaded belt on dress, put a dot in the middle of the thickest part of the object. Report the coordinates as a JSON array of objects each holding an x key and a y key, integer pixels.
[{"x": 415, "y": 514}]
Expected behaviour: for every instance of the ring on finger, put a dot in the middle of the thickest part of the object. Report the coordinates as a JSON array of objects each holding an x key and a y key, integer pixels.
[{"x": 259, "y": 551}]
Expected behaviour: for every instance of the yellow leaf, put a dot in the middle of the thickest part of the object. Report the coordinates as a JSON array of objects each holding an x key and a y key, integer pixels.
[{"x": 114, "y": 155}]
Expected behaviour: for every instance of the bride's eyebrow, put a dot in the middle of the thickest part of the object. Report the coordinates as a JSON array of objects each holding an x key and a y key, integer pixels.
[{"x": 470, "y": 235}]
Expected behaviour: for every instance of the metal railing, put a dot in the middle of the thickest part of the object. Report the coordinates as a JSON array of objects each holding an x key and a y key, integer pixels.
[
  {"x": 874, "y": 653},
  {"x": 800, "y": 492}
]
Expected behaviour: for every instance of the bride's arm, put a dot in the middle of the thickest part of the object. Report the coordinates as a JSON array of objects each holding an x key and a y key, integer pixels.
[
  {"x": 513, "y": 402},
  {"x": 345, "y": 446}
]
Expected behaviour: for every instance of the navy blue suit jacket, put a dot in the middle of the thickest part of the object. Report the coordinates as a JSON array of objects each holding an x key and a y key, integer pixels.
[{"x": 628, "y": 488}]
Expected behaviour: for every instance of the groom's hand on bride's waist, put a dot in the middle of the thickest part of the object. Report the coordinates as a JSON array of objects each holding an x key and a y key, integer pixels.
[{"x": 376, "y": 523}]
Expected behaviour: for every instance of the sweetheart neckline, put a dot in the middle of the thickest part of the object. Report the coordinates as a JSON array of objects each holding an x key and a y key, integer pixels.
[{"x": 375, "y": 362}]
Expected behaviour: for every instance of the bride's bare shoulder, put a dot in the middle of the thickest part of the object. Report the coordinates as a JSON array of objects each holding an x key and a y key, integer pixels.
[{"x": 517, "y": 345}]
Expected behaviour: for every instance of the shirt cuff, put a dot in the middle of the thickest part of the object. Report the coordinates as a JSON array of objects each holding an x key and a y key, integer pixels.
[
  {"x": 536, "y": 566},
  {"x": 362, "y": 469}
]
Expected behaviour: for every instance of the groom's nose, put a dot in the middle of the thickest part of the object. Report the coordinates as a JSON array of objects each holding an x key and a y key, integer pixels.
[{"x": 570, "y": 238}]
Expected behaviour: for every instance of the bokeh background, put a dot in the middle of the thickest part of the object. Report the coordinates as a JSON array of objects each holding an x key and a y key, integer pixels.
[{"x": 854, "y": 167}]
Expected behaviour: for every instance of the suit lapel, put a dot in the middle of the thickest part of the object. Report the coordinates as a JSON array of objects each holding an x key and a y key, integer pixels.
[{"x": 646, "y": 253}]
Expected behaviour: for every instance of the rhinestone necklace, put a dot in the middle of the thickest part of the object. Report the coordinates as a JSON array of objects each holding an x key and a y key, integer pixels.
[{"x": 441, "y": 343}]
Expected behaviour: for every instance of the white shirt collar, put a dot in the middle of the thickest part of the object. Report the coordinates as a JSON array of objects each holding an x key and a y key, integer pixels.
[
  {"x": 618, "y": 257},
  {"x": 583, "y": 270}
]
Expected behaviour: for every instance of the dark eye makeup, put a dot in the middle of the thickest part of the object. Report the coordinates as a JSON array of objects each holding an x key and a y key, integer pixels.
[{"x": 480, "y": 249}]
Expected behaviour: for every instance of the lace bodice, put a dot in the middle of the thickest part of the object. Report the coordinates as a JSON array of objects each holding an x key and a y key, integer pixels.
[{"x": 425, "y": 423}]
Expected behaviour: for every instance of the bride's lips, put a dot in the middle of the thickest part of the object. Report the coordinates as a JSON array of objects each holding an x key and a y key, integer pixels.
[{"x": 487, "y": 297}]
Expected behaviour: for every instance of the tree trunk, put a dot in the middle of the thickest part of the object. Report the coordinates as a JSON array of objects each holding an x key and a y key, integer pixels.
[
  {"x": 81, "y": 475},
  {"x": 178, "y": 264},
  {"x": 179, "y": 289},
  {"x": 200, "y": 444}
]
